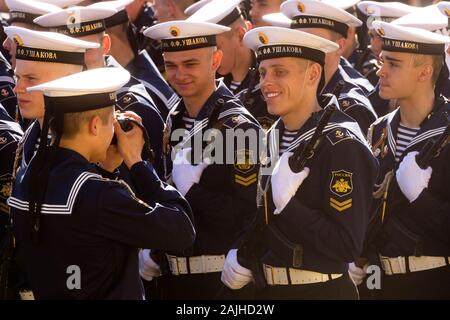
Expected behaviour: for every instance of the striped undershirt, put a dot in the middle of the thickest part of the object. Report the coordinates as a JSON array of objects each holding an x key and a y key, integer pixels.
[
  {"x": 286, "y": 140},
  {"x": 188, "y": 122},
  {"x": 404, "y": 137},
  {"x": 234, "y": 85}
]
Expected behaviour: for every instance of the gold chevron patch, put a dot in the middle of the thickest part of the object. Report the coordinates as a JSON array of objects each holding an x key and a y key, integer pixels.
[
  {"x": 245, "y": 181},
  {"x": 341, "y": 206}
]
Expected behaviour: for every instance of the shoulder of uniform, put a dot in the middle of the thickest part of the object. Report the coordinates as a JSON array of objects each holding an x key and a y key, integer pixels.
[
  {"x": 6, "y": 91},
  {"x": 347, "y": 102},
  {"x": 8, "y": 137},
  {"x": 236, "y": 121},
  {"x": 381, "y": 121},
  {"x": 339, "y": 134},
  {"x": 127, "y": 99}
]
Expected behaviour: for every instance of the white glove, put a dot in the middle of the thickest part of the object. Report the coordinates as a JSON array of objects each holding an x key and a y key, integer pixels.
[
  {"x": 184, "y": 174},
  {"x": 235, "y": 276},
  {"x": 357, "y": 274},
  {"x": 148, "y": 268},
  {"x": 411, "y": 178},
  {"x": 285, "y": 183}
]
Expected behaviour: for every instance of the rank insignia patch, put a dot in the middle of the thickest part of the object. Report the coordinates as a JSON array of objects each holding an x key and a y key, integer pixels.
[
  {"x": 341, "y": 205},
  {"x": 341, "y": 183},
  {"x": 244, "y": 161}
]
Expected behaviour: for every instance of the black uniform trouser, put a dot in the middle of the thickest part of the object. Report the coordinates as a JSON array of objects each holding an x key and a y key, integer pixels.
[
  {"x": 428, "y": 284},
  {"x": 341, "y": 288},
  {"x": 206, "y": 286}
]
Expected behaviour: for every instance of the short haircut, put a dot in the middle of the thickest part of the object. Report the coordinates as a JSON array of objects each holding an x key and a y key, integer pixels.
[
  {"x": 74, "y": 121},
  {"x": 437, "y": 63}
]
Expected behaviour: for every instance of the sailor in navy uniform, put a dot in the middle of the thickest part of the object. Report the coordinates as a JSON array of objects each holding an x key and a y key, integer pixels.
[
  {"x": 434, "y": 18},
  {"x": 133, "y": 96},
  {"x": 10, "y": 134},
  {"x": 8, "y": 98},
  {"x": 308, "y": 237},
  {"x": 332, "y": 23},
  {"x": 70, "y": 58},
  {"x": 21, "y": 14},
  {"x": 87, "y": 226},
  {"x": 221, "y": 194},
  {"x": 413, "y": 244},
  {"x": 125, "y": 49},
  {"x": 238, "y": 66}
]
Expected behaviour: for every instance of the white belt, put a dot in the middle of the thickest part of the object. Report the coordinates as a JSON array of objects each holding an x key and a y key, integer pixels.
[
  {"x": 397, "y": 265},
  {"x": 198, "y": 264},
  {"x": 281, "y": 276}
]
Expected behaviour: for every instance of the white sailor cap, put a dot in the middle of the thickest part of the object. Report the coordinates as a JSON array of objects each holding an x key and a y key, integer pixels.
[
  {"x": 26, "y": 11},
  {"x": 383, "y": 11},
  {"x": 219, "y": 12},
  {"x": 428, "y": 18},
  {"x": 277, "y": 19},
  {"x": 48, "y": 46},
  {"x": 76, "y": 21},
  {"x": 315, "y": 14},
  {"x": 444, "y": 7},
  {"x": 411, "y": 40},
  {"x": 193, "y": 8},
  {"x": 62, "y": 3},
  {"x": 84, "y": 91},
  {"x": 181, "y": 35},
  {"x": 277, "y": 42},
  {"x": 119, "y": 5}
]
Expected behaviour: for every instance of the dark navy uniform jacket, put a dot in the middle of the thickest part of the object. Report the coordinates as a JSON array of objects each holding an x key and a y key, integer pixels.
[
  {"x": 446, "y": 92},
  {"x": 329, "y": 213},
  {"x": 352, "y": 99},
  {"x": 143, "y": 68},
  {"x": 133, "y": 97},
  {"x": 423, "y": 226},
  {"x": 96, "y": 225},
  {"x": 357, "y": 77},
  {"x": 10, "y": 134},
  {"x": 223, "y": 202},
  {"x": 7, "y": 96}
]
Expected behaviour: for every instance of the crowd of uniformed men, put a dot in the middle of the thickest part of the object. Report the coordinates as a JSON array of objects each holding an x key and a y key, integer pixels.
[{"x": 123, "y": 174}]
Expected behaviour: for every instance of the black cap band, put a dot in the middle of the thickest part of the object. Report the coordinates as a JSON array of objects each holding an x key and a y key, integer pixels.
[
  {"x": 45, "y": 55},
  {"x": 19, "y": 16},
  {"x": 119, "y": 18},
  {"x": 182, "y": 44},
  {"x": 289, "y": 50},
  {"x": 305, "y": 21},
  {"x": 412, "y": 47},
  {"x": 82, "y": 29},
  {"x": 230, "y": 18},
  {"x": 81, "y": 103}
]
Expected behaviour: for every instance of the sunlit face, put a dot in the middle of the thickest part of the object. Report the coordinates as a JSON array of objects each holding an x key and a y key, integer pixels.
[
  {"x": 32, "y": 73},
  {"x": 261, "y": 8},
  {"x": 375, "y": 43},
  {"x": 161, "y": 10},
  {"x": 398, "y": 75},
  {"x": 228, "y": 43},
  {"x": 282, "y": 82},
  {"x": 94, "y": 58},
  {"x": 190, "y": 72}
]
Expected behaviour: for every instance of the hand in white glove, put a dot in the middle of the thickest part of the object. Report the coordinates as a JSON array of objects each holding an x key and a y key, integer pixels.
[
  {"x": 235, "y": 276},
  {"x": 184, "y": 174},
  {"x": 148, "y": 268},
  {"x": 285, "y": 183},
  {"x": 357, "y": 274},
  {"x": 411, "y": 178}
]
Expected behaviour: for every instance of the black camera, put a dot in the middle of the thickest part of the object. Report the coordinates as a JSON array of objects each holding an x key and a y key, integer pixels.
[{"x": 126, "y": 124}]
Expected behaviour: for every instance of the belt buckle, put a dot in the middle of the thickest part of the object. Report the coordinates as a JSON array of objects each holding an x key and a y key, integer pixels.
[{"x": 270, "y": 277}]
